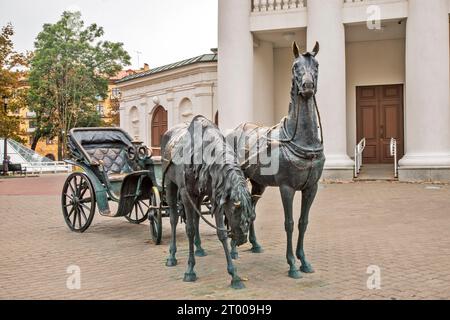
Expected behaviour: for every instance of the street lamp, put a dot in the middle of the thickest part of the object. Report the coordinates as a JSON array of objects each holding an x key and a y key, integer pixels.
[{"x": 5, "y": 140}]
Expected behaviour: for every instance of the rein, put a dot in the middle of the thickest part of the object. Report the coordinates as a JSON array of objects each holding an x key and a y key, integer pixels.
[{"x": 297, "y": 113}]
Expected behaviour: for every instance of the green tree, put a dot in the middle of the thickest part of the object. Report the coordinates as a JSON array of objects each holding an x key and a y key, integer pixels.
[
  {"x": 69, "y": 72},
  {"x": 11, "y": 86}
]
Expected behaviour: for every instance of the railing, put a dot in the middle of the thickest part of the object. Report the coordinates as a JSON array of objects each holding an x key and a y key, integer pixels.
[
  {"x": 277, "y": 5},
  {"x": 393, "y": 148},
  {"x": 359, "y": 149},
  {"x": 47, "y": 167}
]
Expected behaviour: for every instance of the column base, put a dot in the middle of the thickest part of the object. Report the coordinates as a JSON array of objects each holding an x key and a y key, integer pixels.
[
  {"x": 425, "y": 168},
  {"x": 344, "y": 175},
  {"x": 338, "y": 168}
]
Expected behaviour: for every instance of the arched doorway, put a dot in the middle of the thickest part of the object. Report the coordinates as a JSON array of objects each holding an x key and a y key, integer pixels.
[{"x": 159, "y": 127}]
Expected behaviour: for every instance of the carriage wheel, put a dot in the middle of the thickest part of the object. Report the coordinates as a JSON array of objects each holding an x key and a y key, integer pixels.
[
  {"x": 155, "y": 216},
  {"x": 139, "y": 212},
  {"x": 78, "y": 202}
]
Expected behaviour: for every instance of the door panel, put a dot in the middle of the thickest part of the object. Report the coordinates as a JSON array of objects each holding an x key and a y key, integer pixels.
[
  {"x": 158, "y": 127},
  {"x": 379, "y": 111}
]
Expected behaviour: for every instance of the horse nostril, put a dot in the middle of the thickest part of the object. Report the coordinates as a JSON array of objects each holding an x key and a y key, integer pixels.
[{"x": 308, "y": 85}]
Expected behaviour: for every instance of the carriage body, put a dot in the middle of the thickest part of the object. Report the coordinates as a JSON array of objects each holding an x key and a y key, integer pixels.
[{"x": 113, "y": 168}]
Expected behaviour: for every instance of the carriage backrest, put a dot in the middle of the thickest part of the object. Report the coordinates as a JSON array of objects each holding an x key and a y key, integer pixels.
[{"x": 108, "y": 145}]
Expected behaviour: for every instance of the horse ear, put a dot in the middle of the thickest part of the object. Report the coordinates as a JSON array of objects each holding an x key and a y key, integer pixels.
[
  {"x": 316, "y": 49},
  {"x": 295, "y": 50}
]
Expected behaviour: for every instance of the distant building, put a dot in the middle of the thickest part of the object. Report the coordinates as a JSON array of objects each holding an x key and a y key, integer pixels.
[{"x": 156, "y": 99}]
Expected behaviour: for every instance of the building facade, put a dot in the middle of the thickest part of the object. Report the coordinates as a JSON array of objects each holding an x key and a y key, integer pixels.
[
  {"x": 384, "y": 73},
  {"x": 154, "y": 100}
]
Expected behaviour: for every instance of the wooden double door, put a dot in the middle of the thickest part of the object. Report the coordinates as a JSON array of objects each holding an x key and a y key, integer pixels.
[
  {"x": 158, "y": 127},
  {"x": 379, "y": 117}
]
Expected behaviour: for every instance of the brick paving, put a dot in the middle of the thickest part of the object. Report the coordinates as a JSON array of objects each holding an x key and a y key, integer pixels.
[{"x": 402, "y": 228}]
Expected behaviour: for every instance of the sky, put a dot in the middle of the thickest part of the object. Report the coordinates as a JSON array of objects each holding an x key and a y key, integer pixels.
[{"x": 157, "y": 32}]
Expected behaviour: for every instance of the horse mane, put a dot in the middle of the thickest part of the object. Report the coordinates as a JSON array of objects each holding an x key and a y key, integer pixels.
[{"x": 221, "y": 169}]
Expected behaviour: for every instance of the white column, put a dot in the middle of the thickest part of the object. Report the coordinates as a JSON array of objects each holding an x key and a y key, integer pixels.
[
  {"x": 325, "y": 26},
  {"x": 235, "y": 67},
  {"x": 427, "y": 113}
]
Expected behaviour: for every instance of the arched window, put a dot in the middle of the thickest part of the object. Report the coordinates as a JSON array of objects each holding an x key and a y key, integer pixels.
[
  {"x": 134, "y": 123},
  {"x": 216, "y": 118},
  {"x": 186, "y": 110},
  {"x": 159, "y": 127}
]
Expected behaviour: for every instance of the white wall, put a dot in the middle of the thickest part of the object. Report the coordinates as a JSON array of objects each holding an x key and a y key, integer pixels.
[
  {"x": 371, "y": 63},
  {"x": 263, "y": 86},
  {"x": 196, "y": 83},
  {"x": 283, "y": 74}
]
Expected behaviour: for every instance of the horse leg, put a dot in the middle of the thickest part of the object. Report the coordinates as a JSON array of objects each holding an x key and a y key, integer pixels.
[
  {"x": 171, "y": 192},
  {"x": 189, "y": 275},
  {"x": 199, "y": 252},
  {"x": 308, "y": 196},
  {"x": 257, "y": 191},
  {"x": 287, "y": 196},
  {"x": 236, "y": 281}
]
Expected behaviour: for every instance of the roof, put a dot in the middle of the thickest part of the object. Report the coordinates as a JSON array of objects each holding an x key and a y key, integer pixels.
[
  {"x": 122, "y": 74},
  {"x": 211, "y": 57}
]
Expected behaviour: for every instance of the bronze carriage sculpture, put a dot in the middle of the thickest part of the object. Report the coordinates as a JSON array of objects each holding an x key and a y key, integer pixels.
[{"x": 114, "y": 168}]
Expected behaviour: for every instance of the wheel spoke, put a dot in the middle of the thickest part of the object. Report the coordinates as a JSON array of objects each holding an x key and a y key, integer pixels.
[
  {"x": 140, "y": 209},
  {"x": 84, "y": 191},
  {"x": 86, "y": 200},
  {"x": 80, "y": 187},
  {"x": 68, "y": 205},
  {"x": 75, "y": 218},
  {"x": 70, "y": 197},
  {"x": 70, "y": 213},
  {"x": 143, "y": 202},
  {"x": 85, "y": 206},
  {"x": 79, "y": 218},
  {"x": 71, "y": 187},
  {"x": 84, "y": 214}
]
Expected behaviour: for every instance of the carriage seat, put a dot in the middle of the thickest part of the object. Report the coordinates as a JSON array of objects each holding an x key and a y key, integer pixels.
[{"x": 114, "y": 160}]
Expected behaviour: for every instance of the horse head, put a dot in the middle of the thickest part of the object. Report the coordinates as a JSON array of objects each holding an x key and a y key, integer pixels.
[
  {"x": 305, "y": 71},
  {"x": 238, "y": 209}
]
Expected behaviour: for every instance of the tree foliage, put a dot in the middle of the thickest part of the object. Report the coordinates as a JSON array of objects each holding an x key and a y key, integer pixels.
[
  {"x": 11, "y": 86},
  {"x": 69, "y": 73}
]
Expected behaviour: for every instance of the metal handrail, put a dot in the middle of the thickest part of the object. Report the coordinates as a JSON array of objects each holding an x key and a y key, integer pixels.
[
  {"x": 359, "y": 149},
  {"x": 393, "y": 148},
  {"x": 53, "y": 166}
]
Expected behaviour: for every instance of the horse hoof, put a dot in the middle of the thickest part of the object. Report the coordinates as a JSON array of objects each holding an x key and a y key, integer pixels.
[
  {"x": 200, "y": 253},
  {"x": 171, "y": 262},
  {"x": 307, "y": 268},
  {"x": 257, "y": 249},
  {"x": 234, "y": 255},
  {"x": 294, "y": 274},
  {"x": 190, "y": 277},
  {"x": 237, "y": 284}
]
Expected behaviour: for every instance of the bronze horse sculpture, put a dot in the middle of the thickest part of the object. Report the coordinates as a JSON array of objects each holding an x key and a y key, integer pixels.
[
  {"x": 198, "y": 163},
  {"x": 297, "y": 144}
]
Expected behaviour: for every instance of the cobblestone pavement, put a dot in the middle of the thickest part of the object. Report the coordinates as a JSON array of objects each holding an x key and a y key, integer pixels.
[{"x": 404, "y": 229}]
